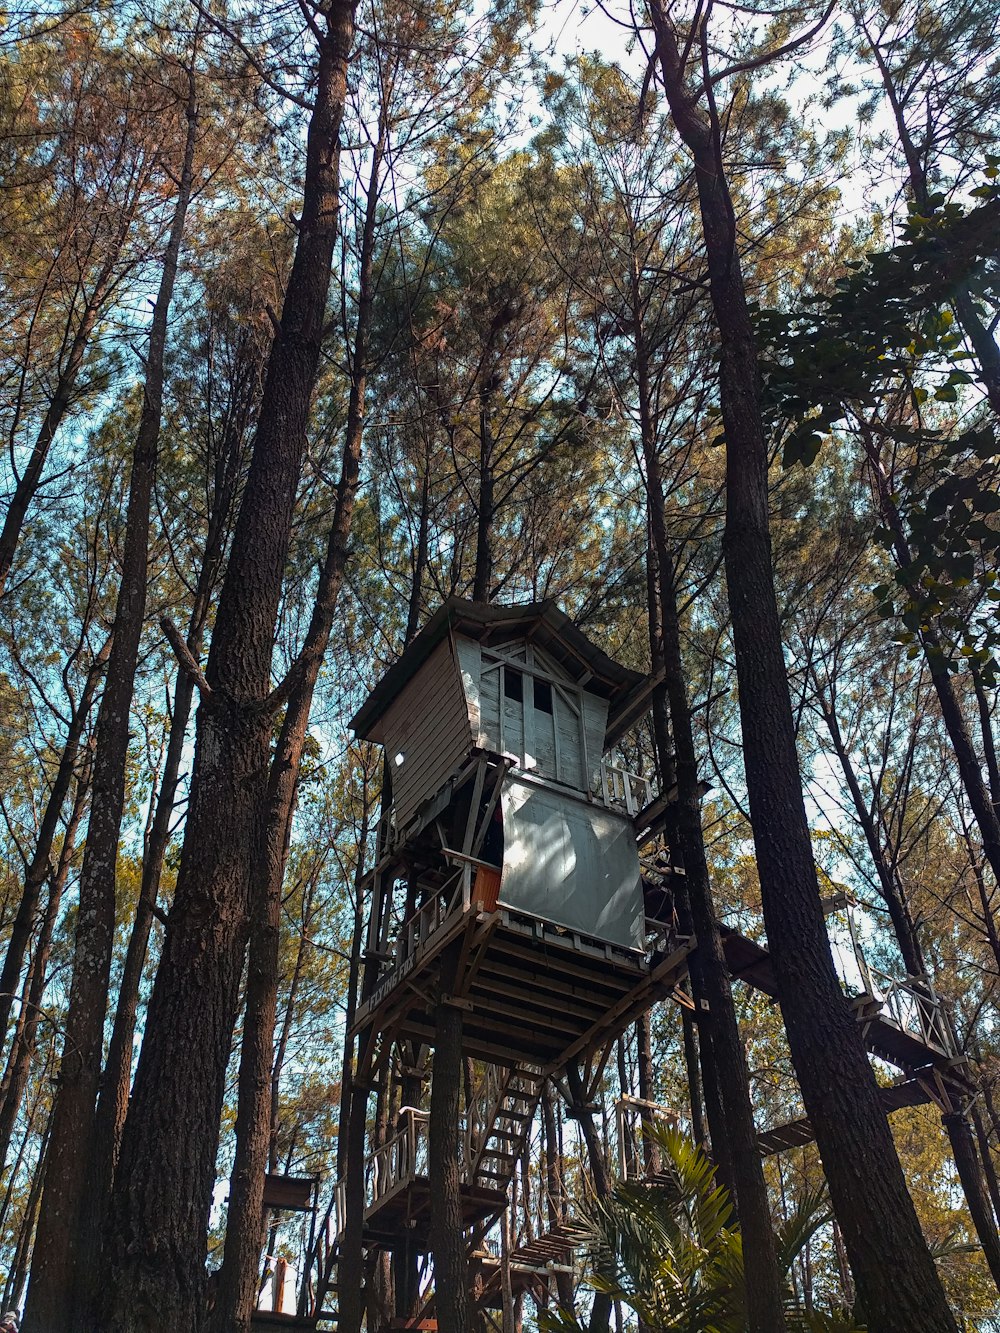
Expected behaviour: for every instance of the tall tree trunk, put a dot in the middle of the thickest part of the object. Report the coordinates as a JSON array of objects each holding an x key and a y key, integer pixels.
[
  {"x": 18, "y": 1275},
  {"x": 68, "y": 1239},
  {"x": 985, "y": 1153},
  {"x": 419, "y": 554},
  {"x": 59, "y": 404},
  {"x": 764, "y": 1289},
  {"x": 483, "y": 577},
  {"x": 644, "y": 1062},
  {"x": 600, "y": 1310},
  {"x": 966, "y": 1155},
  {"x": 405, "y": 1267},
  {"x": 666, "y": 768},
  {"x": 955, "y": 1123},
  {"x": 763, "y": 1284},
  {"x": 969, "y": 765},
  {"x": 897, "y": 1282},
  {"x": 39, "y": 866},
  {"x": 892, "y": 891},
  {"x": 353, "y": 1114},
  {"x": 986, "y": 732},
  {"x": 555, "y": 1195},
  {"x": 163, "y": 1189},
  {"x": 22, "y": 1053},
  {"x": 112, "y": 1104},
  {"x": 984, "y": 346},
  {"x": 690, "y": 1036},
  {"x": 451, "y": 1265},
  {"x": 244, "y": 1230}
]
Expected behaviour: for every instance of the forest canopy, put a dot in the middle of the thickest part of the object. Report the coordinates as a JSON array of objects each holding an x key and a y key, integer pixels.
[{"x": 657, "y": 343}]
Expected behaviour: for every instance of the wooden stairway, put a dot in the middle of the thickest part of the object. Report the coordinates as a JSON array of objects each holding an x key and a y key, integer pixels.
[{"x": 506, "y": 1127}]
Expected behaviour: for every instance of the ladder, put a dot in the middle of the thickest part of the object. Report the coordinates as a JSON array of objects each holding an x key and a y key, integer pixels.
[{"x": 506, "y": 1127}]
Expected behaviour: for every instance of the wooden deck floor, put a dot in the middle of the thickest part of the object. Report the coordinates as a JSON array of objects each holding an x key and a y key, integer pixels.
[
  {"x": 406, "y": 1212},
  {"x": 906, "y": 1092},
  {"x": 531, "y": 992}
]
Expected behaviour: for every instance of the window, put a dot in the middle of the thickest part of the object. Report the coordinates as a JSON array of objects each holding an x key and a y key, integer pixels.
[
  {"x": 513, "y": 685},
  {"x": 543, "y": 696}
]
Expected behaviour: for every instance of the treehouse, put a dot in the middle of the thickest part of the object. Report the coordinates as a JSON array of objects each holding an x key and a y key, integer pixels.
[{"x": 508, "y": 879}]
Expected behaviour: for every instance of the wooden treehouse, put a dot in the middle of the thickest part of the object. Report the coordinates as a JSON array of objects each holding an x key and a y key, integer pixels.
[
  {"x": 508, "y": 884},
  {"x": 509, "y": 879}
]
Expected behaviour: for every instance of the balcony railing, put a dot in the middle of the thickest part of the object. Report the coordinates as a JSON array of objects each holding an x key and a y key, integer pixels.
[
  {"x": 913, "y": 1005},
  {"x": 622, "y": 790}
]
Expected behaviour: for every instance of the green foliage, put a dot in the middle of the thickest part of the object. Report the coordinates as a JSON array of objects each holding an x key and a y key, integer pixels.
[
  {"x": 670, "y": 1253},
  {"x": 851, "y": 349},
  {"x": 852, "y": 360}
]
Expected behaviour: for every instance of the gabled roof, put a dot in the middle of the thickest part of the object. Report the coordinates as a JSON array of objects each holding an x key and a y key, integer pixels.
[{"x": 543, "y": 622}]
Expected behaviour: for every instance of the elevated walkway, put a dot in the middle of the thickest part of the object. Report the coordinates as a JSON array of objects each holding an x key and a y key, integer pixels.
[{"x": 902, "y": 1022}]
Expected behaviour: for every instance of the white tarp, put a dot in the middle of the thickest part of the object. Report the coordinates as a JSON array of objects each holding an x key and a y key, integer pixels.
[{"x": 572, "y": 863}]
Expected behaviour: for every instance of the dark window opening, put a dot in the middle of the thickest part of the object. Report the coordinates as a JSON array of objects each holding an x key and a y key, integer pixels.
[
  {"x": 513, "y": 685},
  {"x": 543, "y": 696}
]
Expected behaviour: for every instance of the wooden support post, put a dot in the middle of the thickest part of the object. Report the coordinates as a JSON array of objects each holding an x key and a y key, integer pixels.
[
  {"x": 600, "y": 1310},
  {"x": 451, "y": 1274}
]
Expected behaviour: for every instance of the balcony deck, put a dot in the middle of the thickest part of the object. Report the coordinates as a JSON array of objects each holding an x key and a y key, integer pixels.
[{"x": 531, "y": 992}]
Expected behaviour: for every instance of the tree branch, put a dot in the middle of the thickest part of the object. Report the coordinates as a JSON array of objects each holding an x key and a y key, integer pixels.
[{"x": 184, "y": 656}]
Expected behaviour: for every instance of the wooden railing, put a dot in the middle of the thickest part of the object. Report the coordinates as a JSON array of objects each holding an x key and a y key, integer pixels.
[
  {"x": 622, "y": 790},
  {"x": 913, "y": 1005},
  {"x": 454, "y": 894},
  {"x": 632, "y": 1118},
  {"x": 398, "y": 1161}
]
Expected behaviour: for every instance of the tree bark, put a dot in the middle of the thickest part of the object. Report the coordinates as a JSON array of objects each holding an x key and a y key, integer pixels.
[
  {"x": 969, "y": 765},
  {"x": 892, "y": 891},
  {"x": 451, "y": 1265},
  {"x": 763, "y": 1286},
  {"x": 763, "y": 1281},
  {"x": 555, "y": 1195},
  {"x": 897, "y": 1282},
  {"x": 986, "y": 352},
  {"x": 992, "y": 1183},
  {"x": 600, "y": 1310},
  {"x": 484, "y": 509},
  {"x": 18, "y": 1275},
  {"x": 59, "y": 404},
  {"x": 68, "y": 1239},
  {"x": 238, "y": 1278},
  {"x": 963, "y": 1149},
  {"x": 666, "y": 768},
  {"x": 163, "y": 1190},
  {"x": 690, "y": 1035},
  {"x": 23, "y": 1050}
]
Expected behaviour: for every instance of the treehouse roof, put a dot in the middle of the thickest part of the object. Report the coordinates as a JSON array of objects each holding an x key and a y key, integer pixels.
[{"x": 542, "y": 622}]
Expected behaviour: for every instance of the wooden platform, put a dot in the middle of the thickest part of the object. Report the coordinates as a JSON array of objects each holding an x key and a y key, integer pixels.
[
  {"x": 406, "y": 1213},
  {"x": 531, "y": 1264},
  {"x": 905, "y": 1092},
  {"x": 294, "y": 1194},
  {"x": 531, "y": 992},
  {"x": 751, "y": 963},
  {"x": 268, "y": 1320}
]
